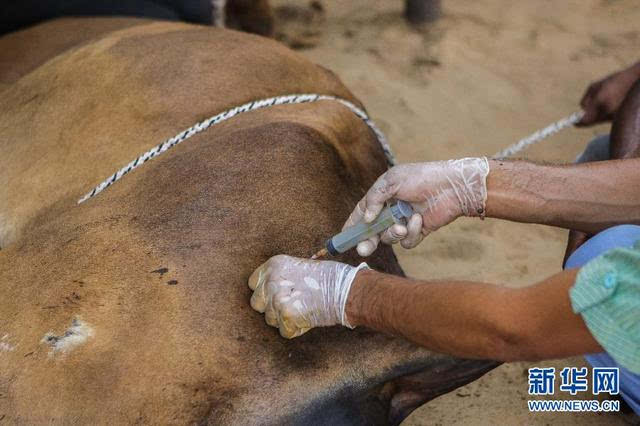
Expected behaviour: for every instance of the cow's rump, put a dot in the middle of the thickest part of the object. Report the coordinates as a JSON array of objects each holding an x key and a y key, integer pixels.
[{"x": 133, "y": 306}]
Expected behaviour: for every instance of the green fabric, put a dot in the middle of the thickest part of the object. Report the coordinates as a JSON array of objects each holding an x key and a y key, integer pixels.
[{"x": 607, "y": 295}]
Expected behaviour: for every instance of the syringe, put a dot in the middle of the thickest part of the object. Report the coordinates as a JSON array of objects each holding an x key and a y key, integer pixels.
[{"x": 350, "y": 237}]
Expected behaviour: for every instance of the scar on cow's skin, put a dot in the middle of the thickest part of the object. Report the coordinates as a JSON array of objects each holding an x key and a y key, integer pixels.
[
  {"x": 172, "y": 282},
  {"x": 4, "y": 345},
  {"x": 160, "y": 271},
  {"x": 74, "y": 336}
]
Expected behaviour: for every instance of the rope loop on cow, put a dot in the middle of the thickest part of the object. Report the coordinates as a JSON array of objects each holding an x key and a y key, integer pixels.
[
  {"x": 307, "y": 98},
  {"x": 225, "y": 115}
]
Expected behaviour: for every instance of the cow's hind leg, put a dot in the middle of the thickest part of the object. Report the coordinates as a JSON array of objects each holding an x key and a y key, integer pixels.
[
  {"x": 389, "y": 402},
  {"x": 405, "y": 394}
]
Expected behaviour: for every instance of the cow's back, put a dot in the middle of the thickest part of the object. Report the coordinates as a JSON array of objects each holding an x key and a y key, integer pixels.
[
  {"x": 74, "y": 110},
  {"x": 133, "y": 306}
]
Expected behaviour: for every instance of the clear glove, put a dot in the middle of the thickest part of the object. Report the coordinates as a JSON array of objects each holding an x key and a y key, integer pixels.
[
  {"x": 439, "y": 192},
  {"x": 297, "y": 295}
]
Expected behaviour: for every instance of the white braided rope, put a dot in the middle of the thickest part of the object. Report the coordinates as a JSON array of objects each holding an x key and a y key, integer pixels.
[
  {"x": 540, "y": 135},
  {"x": 225, "y": 115}
]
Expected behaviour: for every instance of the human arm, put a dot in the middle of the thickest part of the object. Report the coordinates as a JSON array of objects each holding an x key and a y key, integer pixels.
[
  {"x": 623, "y": 142},
  {"x": 585, "y": 197},
  {"x": 603, "y": 98},
  {"x": 466, "y": 319},
  {"x": 474, "y": 320}
]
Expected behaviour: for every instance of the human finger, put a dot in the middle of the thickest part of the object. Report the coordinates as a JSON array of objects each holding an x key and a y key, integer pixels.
[
  {"x": 292, "y": 321},
  {"x": 376, "y": 197},
  {"x": 258, "y": 275},
  {"x": 278, "y": 293},
  {"x": 366, "y": 247},
  {"x": 414, "y": 232},
  {"x": 357, "y": 215},
  {"x": 393, "y": 234}
]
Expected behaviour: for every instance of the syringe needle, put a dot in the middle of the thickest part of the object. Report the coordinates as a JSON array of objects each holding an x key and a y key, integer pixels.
[{"x": 319, "y": 254}]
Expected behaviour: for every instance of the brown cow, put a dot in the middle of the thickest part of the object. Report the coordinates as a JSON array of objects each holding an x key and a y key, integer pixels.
[{"x": 133, "y": 306}]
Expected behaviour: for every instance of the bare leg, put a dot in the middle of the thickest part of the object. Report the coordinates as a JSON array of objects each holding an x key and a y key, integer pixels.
[
  {"x": 421, "y": 11},
  {"x": 625, "y": 131},
  {"x": 624, "y": 142},
  {"x": 574, "y": 241}
]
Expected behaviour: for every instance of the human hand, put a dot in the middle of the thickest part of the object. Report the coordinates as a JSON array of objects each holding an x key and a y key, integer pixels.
[
  {"x": 603, "y": 97},
  {"x": 439, "y": 192},
  {"x": 296, "y": 295}
]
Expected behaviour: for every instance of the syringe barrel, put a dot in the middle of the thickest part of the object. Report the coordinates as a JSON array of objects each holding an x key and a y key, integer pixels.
[{"x": 350, "y": 237}]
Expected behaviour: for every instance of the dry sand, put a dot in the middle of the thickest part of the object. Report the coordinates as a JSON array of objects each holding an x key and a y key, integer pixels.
[{"x": 488, "y": 73}]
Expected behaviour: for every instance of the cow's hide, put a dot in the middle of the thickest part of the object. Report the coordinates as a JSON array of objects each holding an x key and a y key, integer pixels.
[{"x": 133, "y": 306}]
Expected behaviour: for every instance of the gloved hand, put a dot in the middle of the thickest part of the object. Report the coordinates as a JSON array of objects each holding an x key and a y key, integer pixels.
[
  {"x": 298, "y": 294},
  {"x": 603, "y": 97},
  {"x": 439, "y": 192}
]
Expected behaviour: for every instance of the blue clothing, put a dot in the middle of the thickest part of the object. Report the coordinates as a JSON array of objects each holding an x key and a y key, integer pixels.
[{"x": 612, "y": 238}]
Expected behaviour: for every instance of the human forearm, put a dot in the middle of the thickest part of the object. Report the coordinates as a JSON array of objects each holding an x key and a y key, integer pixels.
[
  {"x": 448, "y": 317},
  {"x": 466, "y": 319},
  {"x": 473, "y": 320},
  {"x": 585, "y": 197}
]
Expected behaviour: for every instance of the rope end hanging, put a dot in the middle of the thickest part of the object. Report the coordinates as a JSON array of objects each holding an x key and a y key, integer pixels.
[{"x": 540, "y": 135}]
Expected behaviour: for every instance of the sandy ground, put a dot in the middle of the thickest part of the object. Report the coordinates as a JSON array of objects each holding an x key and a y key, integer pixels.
[{"x": 488, "y": 73}]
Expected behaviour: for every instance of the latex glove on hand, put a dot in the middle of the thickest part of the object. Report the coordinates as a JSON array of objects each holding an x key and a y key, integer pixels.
[
  {"x": 439, "y": 192},
  {"x": 603, "y": 97},
  {"x": 296, "y": 295}
]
